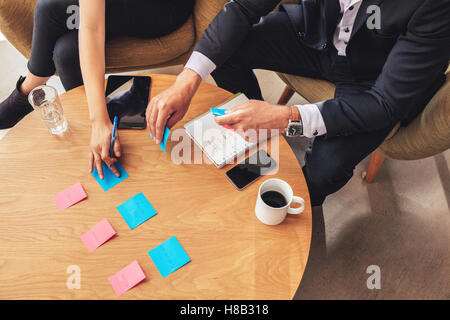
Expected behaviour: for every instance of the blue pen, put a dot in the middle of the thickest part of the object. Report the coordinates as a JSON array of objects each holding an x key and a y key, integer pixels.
[{"x": 113, "y": 137}]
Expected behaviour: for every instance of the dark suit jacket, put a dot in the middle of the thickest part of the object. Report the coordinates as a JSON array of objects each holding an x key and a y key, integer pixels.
[{"x": 406, "y": 58}]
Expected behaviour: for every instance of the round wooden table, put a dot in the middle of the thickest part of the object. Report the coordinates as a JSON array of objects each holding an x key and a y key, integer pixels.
[{"x": 234, "y": 255}]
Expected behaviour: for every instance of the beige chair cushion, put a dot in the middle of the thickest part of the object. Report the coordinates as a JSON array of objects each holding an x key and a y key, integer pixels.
[
  {"x": 312, "y": 90},
  {"x": 133, "y": 53},
  {"x": 124, "y": 54},
  {"x": 427, "y": 135}
]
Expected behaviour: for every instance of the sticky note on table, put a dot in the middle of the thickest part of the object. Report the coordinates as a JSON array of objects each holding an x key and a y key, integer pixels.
[
  {"x": 127, "y": 278},
  {"x": 98, "y": 235},
  {"x": 166, "y": 135},
  {"x": 218, "y": 112},
  {"x": 109, "y": 178},
  {"x": 136, "y": 210},
  {"x": 70, "y": 196},
  {"x": 169, "y": 256}
]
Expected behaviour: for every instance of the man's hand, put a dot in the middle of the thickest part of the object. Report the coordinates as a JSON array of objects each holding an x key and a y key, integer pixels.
[
  {"x": 170, "y": 106},
  {"x": 100, "y": 143},
  {"x": 256, "y": 115}
]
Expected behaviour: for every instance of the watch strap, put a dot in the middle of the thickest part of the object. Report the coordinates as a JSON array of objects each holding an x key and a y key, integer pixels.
[{"x": 295, "y": 114}]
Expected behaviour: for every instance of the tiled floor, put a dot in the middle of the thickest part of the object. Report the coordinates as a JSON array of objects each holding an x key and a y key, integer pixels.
[{"x": 401, "y": 222}]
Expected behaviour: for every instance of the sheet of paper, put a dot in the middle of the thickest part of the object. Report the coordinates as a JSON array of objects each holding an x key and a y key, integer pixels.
[
  {"x": 70, "y": 196},
  {"x": 98, "y": 235},
  {"x": 169, "y": 256},
  {"x": 110, "y": 180},
  {"x": 218, "y": 112},
  {"x": 136, "y": 210},
  {"x": 127, "y": 278},
  {"x": 166, "y": 135}
]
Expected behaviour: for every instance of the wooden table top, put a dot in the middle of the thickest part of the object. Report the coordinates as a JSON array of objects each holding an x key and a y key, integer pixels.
[{"x": 234, "y": 255}]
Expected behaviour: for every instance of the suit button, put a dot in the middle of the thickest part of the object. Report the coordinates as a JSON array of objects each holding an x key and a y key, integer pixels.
[
  {"x": 301, "y": 34},
  {"x": 323, "y": 46}
]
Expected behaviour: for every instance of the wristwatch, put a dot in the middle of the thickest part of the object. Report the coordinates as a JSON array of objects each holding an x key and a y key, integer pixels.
[{"x": 295, "y": 126}]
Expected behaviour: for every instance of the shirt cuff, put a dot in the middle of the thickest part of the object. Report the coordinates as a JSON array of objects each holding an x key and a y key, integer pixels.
[
  {"x": 200, "y": 64},
  {"x": 313, "y": 124}
]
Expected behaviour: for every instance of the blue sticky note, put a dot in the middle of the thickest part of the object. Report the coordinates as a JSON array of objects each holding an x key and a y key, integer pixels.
[
  {"x": 110, "y": 180},
  {"x": 218, "y": 112},
  {"x": 169, "y": 256},
  {"x": 136, "y": 210},
  {"x": 164, "y": 140}
]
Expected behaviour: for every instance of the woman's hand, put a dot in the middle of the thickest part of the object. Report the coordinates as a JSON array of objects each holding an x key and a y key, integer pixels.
[
  {"x": 255, "y": 115},
  {"x": 100, "y": 143}
]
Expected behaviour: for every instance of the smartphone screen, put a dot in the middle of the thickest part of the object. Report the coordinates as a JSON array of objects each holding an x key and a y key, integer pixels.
[
  {"x": 127, "y": 98},
  {"x": 251, "y": 169}
]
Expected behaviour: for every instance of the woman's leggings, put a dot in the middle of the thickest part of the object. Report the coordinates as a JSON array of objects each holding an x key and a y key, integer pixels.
[{"x": 55, "y": 46}]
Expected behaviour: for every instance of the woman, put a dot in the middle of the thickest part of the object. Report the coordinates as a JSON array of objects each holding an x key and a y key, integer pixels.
[{"x": 79, "y": 55}]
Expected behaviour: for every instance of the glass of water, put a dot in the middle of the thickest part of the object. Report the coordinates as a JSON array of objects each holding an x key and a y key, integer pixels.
[{"x": 46, "y": 101}]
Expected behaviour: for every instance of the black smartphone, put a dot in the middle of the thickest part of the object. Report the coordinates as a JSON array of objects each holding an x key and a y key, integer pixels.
[
  {"x": 251, "y": 169},
  {"x": 127, "y": 98}
]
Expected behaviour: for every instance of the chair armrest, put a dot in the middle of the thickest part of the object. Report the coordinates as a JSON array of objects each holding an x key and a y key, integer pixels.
[
  {"x": 427, "y": 135},
  {"x": 16, "y": 23}
]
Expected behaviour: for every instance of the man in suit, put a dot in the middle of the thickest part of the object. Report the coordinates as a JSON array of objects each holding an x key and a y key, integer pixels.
[{"x": 385, "y": 73}]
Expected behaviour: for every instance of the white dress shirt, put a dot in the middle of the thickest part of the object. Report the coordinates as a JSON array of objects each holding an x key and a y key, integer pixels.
[
  {"x": 349, "y": 10},
  {"x": 313, "y": 124}
]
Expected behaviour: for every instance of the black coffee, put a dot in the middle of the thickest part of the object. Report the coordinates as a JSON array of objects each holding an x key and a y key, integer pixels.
[{"x": 274, "y": 199}]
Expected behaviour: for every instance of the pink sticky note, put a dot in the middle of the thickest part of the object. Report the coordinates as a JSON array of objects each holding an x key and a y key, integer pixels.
[
  {"x": 98, "y": 235},
  {"x": 127, "y": 278},
  {"x": 70, "y": 196}
]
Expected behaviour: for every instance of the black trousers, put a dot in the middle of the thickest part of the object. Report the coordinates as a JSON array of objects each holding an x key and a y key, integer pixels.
[
  {"x": 273, "y": 45},
  {"x": 55, "y": 46}
]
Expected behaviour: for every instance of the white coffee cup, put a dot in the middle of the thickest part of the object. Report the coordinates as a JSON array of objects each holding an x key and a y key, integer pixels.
[{"x": 271, "y": 215}]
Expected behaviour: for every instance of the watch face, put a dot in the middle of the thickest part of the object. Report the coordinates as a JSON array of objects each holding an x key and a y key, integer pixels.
[{"x": 294, "y": 130}]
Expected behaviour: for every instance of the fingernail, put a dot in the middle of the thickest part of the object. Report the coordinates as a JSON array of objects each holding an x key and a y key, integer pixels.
[{"x": 158, "y": 142}]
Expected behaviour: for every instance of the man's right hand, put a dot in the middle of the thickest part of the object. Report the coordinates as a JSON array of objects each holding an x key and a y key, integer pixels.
[{"x": 170, "y": 106}]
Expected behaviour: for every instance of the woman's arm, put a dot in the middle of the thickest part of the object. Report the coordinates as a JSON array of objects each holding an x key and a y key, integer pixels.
[{"x": 92, "y": 59}]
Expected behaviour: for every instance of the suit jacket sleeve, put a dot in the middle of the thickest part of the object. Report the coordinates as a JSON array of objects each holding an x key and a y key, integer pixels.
[
  {"x": 408, "y": 80},
  {"x": 230, "y": 27}
]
